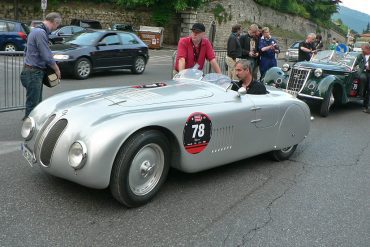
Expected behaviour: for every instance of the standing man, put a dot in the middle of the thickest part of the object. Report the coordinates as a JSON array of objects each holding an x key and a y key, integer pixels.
[
  {"x": 366, "y": 55},
  {"x": 249, "y": 44},
  {"x": 37, "y": 57},
  {"x": 192, "y": 51},
  {"x": 234, "y": 50},
  {"x": 306, "y": 48},
  {"x": 268, "y": 49},
  {"x": 243, "y": 72}
]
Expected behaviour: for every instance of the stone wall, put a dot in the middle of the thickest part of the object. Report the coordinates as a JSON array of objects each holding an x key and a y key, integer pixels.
[
  {"x": 105, "y": 13},
  {"x": 241, "y": 11}
]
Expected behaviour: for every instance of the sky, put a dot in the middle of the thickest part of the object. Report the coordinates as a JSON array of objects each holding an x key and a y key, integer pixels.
[{"x": 359, "y": 5}]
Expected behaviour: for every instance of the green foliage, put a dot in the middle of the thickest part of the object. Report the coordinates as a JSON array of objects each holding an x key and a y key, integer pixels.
[
  {"x": 319, "y": 11},
  {"x": 220, "y": 13},
  {"x": 162, "y": 9}
]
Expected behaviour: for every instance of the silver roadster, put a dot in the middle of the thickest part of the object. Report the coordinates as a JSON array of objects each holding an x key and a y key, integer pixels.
[{"x": 127, "y": 138}]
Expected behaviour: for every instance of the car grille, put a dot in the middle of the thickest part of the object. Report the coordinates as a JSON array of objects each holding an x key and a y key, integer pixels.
[
  {"x": 297, "y": 79},
  {"x": 47, "y": 139},
  {"x": 50, "y": 141}
]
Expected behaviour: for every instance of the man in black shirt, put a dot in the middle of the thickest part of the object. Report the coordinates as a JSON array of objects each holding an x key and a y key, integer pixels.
[
  {"x": 249, "y": 43},
  {"x": 243, "y": 72},
  {"x": 234, "y": 50},
  {"x": 306, "y": 48}
]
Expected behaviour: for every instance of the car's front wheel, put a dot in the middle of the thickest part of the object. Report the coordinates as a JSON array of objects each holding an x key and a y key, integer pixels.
[
  {"x": 283, "y": 154},
  {"x": 139, "y": 65},
  {"x": 82, "y": 68},
  {"x": 140, "y": 168},
  {"x": 326, "y": 104},
  {"x": 10, "y": 47}
]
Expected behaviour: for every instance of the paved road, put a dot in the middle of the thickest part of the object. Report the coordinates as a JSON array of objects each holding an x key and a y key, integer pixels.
[{"x": 320, "y": 197}]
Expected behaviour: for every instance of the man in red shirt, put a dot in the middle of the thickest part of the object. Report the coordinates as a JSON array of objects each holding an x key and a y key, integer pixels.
[{"x": 192, "y": 51}]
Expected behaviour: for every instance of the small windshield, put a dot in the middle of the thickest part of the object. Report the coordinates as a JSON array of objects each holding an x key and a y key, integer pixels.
[
  {"x": 83, "y": 38},
  {"x": 214, "y": 78},
  {"x": 334, "y": 57}
]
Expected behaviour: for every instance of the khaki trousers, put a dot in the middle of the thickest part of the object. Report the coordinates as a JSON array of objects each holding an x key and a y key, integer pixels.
[{"x": 231, "y": 67}]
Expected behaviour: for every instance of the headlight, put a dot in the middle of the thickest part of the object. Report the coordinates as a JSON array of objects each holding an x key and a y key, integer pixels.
[
  {"x": 286, "y": 67},
  {"x": 318, "y": 72},
  {"x": 60, "y": 56},
  {"x": 77, "y": 155},
  {"x": 28, "y": 128}
]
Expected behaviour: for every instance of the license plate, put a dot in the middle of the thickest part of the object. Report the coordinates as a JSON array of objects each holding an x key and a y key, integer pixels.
[{"x": 28, "y": 155}]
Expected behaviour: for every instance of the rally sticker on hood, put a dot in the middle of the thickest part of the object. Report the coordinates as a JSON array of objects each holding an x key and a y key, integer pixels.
[{"x": 197, "y": 132}]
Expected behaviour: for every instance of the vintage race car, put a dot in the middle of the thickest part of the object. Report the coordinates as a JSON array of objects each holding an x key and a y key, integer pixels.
[
  {"x": 127, "y": 138},
  {"x": 331, "y": 77}
]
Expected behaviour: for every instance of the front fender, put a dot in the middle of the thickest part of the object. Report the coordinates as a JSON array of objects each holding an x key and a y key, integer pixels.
[
  {"x": 324, "y": 85},
  {"x": 275, "y": 76}
]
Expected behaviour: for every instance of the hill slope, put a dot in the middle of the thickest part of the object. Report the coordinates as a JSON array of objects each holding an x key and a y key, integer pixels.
[{"x": 352, "y": 18}]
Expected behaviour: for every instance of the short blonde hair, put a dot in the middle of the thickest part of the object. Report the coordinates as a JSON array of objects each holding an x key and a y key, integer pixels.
[{"x": 265, "y": 29}]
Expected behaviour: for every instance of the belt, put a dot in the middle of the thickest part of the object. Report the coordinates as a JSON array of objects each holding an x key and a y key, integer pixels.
[{"x": 32, "y": 67}]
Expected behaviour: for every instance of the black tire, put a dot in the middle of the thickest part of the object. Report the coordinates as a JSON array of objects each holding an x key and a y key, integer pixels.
[
  {"x": 283, "y": 154},
  {"x": 139, "y": 65},
  {"x": 82, "y": 68},
  {"x": 134, "y": 181},
  {"x": 326, "y": 104},
  {"x": 10, "y": 47}
]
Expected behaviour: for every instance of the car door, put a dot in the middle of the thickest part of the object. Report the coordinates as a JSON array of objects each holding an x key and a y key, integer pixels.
[
  {"x": 129, "y": 50},
  {"x": 265, "y": 119},
  {"x": 107, "y": 54}
]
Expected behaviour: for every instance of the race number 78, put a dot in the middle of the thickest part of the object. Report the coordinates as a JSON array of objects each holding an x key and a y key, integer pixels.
[{"x": 198, "y": 130}]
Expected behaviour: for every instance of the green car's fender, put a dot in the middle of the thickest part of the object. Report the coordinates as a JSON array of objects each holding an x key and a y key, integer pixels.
[
  {"x": 275, "y": 76},
  {"x": 331, "y": 81}
]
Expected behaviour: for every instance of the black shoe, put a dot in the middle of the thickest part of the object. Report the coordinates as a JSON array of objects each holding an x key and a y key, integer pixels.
[{"x": 366, "y": 111}]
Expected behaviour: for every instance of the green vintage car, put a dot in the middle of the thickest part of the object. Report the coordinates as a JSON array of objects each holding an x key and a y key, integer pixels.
[{"x": 331, "y": 77}]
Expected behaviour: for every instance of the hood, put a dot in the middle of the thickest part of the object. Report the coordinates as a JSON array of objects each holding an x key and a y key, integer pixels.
[
  {"x": 65, "y": 47},
  {"x": 323, "y": 66},
  {"x": 134, "y": 98}
]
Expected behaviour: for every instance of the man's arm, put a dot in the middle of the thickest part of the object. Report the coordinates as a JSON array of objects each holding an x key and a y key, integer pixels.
[
  {"x": 181, "y": 63},
  {"x": 45, "y": 52},
  {"x": 215, "y": 66}
]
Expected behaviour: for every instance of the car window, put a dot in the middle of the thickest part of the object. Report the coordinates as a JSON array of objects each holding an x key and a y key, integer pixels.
[
  {"x": 128, "y": 39},
  {"x": 111, "y": 40},
  {"x": 3, "y": 27},
  {"x": 26, "y": 29},
  {"x": 295, "y": 45},
  {"x": 66, "y": 30},
  {"x": 77, "y": 29},
  {"x": 11, "y": 27},
  {"x": 84, "y": 38}
]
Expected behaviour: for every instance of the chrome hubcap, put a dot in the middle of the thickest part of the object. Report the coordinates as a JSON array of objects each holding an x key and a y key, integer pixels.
[
  {"x": 10, "y": 48},
  {"x": 146, "y": 169},
  {"x": 83, "y": 69},
  {"x": 140, "y": 65}
]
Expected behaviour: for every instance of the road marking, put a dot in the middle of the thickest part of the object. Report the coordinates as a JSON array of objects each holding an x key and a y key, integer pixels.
[{"x": 10, "y": 147}]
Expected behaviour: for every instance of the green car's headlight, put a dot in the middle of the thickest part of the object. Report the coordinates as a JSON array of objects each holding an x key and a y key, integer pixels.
[
  {"x": 28, "y": 128},
  {"x": 285, "y": 67},
  {"x": 77, "y": 155},
  {"x": 318, "y": 72}
]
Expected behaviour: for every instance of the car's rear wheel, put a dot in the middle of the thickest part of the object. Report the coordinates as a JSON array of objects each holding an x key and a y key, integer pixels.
[
  {"x": 140, "y": 168},
  {"x": 283, "y": 154},
  {"x": 139, "y": 65},
  {"x": 10, "y": 47},
  {"x": 326, "y": 104},
  {"x": 82, "y": 68}
]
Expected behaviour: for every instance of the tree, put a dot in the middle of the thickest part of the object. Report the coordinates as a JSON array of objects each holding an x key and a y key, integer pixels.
[{"x": 162, "y": 9}]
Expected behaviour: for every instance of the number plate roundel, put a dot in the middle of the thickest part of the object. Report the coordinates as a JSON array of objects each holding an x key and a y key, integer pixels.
[{"x": 197, "y": 132}]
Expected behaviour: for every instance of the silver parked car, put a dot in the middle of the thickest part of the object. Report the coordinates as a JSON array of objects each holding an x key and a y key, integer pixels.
[
  {"x": 292, "y": 53},
  {"x": 127, "y": 138}
]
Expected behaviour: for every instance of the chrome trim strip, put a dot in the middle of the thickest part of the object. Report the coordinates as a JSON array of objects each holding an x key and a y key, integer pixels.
[{"x": 309, "y": 96}]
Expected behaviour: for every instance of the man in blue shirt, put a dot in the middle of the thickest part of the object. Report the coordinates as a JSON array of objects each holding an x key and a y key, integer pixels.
[{"x": 37, "y": 57}]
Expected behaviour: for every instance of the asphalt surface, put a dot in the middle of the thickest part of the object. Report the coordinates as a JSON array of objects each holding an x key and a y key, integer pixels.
[{"x": 320, "y": 197}]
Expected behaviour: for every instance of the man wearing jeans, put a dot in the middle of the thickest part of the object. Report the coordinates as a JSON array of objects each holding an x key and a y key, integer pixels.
[{"x": 37, "y": 57}]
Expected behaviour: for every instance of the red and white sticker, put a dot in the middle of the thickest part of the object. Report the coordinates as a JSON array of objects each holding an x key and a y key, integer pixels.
[{"x": 197, "y": 132}]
